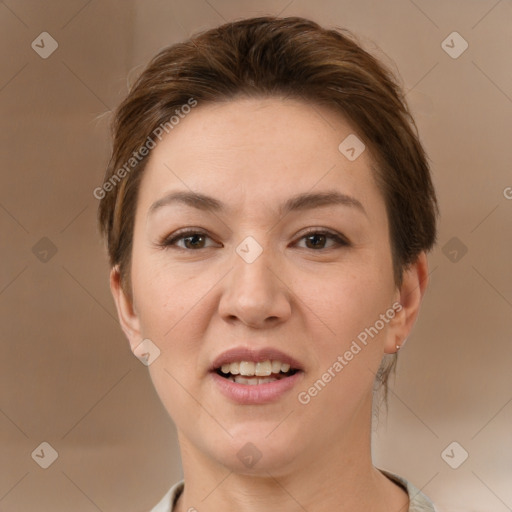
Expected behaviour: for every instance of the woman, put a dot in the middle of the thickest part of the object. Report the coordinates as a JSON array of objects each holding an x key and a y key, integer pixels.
[{"x": 268, "y": 208}]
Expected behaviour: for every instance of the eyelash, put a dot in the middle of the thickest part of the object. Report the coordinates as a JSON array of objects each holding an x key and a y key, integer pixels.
[{"x": 180, "y": 235}]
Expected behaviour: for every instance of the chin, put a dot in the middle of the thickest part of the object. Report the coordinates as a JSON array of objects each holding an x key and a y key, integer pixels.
[{"x": 255, "y": 452}]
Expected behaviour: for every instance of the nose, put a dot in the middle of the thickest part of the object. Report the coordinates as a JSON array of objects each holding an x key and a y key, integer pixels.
[{"x": 255, "y": 293}]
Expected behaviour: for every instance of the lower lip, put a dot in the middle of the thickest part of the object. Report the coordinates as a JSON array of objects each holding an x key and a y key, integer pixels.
[{"x": 246, "y": 394}]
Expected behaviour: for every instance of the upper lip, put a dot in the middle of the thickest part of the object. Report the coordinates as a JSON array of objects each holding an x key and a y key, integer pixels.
[{"x": 256, "y": 355}]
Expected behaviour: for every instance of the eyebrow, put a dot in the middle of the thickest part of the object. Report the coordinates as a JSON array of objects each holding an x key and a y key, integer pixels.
[{"x": 304, "y": 201}]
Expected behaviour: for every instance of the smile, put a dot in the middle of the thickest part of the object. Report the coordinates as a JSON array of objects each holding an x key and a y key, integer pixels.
[{"x": 251, "y": 374}]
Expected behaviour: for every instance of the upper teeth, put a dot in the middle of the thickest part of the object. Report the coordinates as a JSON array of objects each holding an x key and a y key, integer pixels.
[{"x": 249, "y": 368}]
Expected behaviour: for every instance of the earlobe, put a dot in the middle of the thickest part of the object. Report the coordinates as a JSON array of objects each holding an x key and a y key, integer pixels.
[
  {"x": 128, "y": 317},
  {"x": 414, "y": 285}
]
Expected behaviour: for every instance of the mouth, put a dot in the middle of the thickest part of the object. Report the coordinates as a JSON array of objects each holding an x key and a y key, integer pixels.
[
  {"x": 249, "y": 376},
  {"x": 252, "y": 373}
]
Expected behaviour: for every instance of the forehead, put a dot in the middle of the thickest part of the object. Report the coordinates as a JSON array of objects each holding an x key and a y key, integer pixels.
[{"x": 258, "y": 151}]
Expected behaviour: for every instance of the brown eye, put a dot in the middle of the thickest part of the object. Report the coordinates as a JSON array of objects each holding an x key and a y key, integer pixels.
[
  {"x": 194, "y": 241},
  {"x": 316, "y": 240},
  {"x": 191, "y": 240}
]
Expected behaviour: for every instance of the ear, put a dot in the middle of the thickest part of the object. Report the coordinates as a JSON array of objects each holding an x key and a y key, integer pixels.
[
  {"x": 128, "y": 317},
  {"x": 414, "y": 284}
]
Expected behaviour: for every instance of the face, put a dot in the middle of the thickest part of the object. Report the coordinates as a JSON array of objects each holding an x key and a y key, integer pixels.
[{"x": 288, "y": 259}]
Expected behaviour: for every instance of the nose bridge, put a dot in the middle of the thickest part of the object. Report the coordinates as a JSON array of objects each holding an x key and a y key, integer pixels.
[
  {"x": 253, "y": 264},
  {"x": 254, "y": 292}
]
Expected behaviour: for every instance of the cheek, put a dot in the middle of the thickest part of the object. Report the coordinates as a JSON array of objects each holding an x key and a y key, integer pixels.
[
  {"x": 175, "y": 307},
  {"x": 174, "y": 311},
  {"x": 165, "y": 295},
  {"x": 341, "y": 311},
  {"x": 343, "y": 303}
]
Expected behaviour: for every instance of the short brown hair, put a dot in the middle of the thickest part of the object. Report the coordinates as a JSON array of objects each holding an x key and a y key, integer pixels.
[{"x": 277, "y": 57}]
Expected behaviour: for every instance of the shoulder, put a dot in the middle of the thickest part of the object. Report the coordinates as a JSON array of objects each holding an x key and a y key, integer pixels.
[
  {"x": 166, "y": 504},
  {"x": 418, "y": 502}
]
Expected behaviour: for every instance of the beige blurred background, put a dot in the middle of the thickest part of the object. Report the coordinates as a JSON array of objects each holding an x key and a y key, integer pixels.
[{"x": 67, "y": 376}]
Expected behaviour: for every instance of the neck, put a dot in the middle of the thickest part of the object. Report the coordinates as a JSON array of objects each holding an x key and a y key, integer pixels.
[{"x": 343, "y": 471}]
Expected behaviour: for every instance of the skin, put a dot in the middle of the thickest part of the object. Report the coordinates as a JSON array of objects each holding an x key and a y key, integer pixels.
[{"x": 308, "y": 298}]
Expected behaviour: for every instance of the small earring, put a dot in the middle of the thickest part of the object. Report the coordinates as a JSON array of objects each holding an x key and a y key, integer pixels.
[{"x": 398, "y": 347}]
